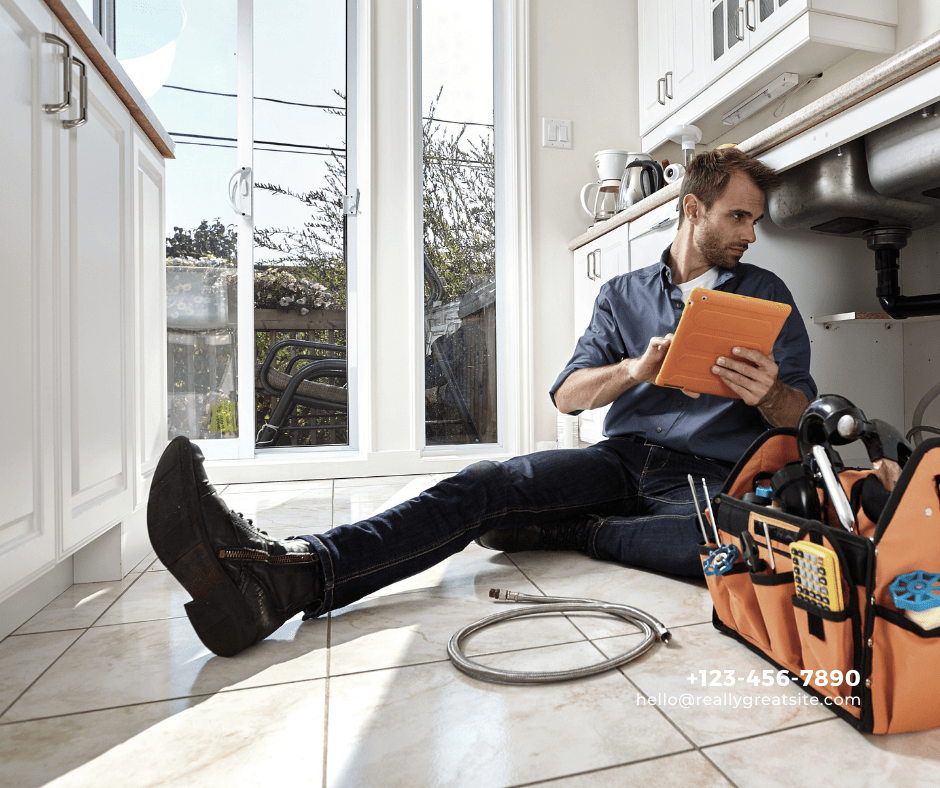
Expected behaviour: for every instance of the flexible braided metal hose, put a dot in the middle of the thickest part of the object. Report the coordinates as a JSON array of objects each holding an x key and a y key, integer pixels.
[{"x": 652, "y": 628}]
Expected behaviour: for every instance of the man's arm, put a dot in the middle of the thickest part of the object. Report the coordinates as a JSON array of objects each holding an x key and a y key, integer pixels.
[
  {"x": 755, "y": 379},
  {"x": 595, "y": 387}
]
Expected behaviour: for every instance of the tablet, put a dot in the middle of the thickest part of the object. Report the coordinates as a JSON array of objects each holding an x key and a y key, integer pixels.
[{"x": 712, "y": 323}]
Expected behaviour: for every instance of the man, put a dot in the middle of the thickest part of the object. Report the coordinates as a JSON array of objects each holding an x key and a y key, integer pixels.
[{"x": 626, "y": 499}]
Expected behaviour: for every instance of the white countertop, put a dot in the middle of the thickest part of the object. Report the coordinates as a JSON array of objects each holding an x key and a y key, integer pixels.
[
  {"x": 89, "y": 40},
  {"x": 891, "y": 71}
]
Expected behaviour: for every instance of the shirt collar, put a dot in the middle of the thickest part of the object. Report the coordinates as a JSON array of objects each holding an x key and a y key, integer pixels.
[{"x": 666, "y": 275}]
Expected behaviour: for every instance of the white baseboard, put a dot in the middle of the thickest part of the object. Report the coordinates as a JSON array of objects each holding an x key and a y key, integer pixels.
[{"x": 27, "y": 602}]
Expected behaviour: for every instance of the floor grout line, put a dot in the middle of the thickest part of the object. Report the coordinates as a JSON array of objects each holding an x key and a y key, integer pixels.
[
  {"x": 84, "y": 631},
  {"x": 222, "y": 691},
  {"x": 652, "y": 759}
]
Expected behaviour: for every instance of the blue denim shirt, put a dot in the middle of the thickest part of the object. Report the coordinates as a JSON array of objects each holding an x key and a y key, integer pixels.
[{"x": 632, "y": 308}]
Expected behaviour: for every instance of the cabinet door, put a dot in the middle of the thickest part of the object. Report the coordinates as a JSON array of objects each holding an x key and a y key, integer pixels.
[
  {"x": 593, "y": 266},
  {"x": 766, "y": 18},
  {"x": 655, "y": 20},
  {"x": 651, "y": 234},
  {"x": 586, "y": 286},
  {"x": 727, "y": 35},
  {"x": 688, "y": 62},
  {"x": 150, "y": 424},
  {"x": 96, "y": 410},
  {"x": 32, "y": 76}
]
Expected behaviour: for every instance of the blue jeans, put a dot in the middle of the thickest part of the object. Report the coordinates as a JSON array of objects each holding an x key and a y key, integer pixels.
[{"x": 635, "y": 500}]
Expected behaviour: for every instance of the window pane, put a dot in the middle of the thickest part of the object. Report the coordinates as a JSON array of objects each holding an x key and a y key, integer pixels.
[
  {"x": 184, "y": 64},
  {"x": 459, "y": 222},
  {"x": 300, "y": 181},
  {"x": 88, "y": 6}
]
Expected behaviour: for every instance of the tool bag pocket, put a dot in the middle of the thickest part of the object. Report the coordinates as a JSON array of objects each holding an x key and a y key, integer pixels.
[
  {"x": 828, "y": 653},
  {"x": 736, "y": 603},
  {"x": 774, "y": 592},
  {"x": 904, "y": 681}
]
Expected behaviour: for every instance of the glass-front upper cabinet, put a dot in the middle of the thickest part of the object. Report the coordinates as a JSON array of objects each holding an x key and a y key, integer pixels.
[{"x": 739, "y": 26}]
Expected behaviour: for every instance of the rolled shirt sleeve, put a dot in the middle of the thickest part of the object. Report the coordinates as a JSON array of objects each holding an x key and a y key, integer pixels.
[{"x": 631, "y": 309}]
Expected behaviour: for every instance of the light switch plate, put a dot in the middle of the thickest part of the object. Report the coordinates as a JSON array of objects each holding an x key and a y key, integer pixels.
[{"x": 556, "y": 133}]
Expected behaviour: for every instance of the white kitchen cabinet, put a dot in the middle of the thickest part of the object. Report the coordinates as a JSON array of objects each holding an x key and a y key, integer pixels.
[
  {"x": 594, "y": 264},
  {"x": 651, "y": 233},
  {"x": 738, "y": 46},
  {"x": 737, "y": 26},
  {"x": 28, "y": 315},
  {"x": 671, "y": 67},
  {"x": 96, "y": 329},
  {"x": 82, "y": 322}
]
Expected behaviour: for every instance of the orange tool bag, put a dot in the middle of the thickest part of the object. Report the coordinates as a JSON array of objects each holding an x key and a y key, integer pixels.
[{"x": 879, "y": 667}]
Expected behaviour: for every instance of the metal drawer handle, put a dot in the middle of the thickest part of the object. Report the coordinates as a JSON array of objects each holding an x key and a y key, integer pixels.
[
  {"x": 660, "y": 89},
  {"x": 752, "y": 26},
  {"x": 82, "y": 118},
  {"x": 590, "y": 260},
  {"x": 53, "y": 109},
  {"x": 658, "y": 226},
  {"x": 668, "y": 79},
  {"x": 738, "y": 19},
  {"x": 597, "y": 273}
]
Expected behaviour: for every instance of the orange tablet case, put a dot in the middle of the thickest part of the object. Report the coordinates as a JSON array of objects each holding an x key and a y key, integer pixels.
[{"x": 712, "y": 323}]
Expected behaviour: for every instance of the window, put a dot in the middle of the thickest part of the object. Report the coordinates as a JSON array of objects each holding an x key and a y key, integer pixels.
[
  {"x": 459, "y": 236},
  {"x": 254, "y": 95}
]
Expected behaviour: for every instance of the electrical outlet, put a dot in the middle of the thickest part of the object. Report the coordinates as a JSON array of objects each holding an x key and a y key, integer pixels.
[{"x": 556, "y": 133}]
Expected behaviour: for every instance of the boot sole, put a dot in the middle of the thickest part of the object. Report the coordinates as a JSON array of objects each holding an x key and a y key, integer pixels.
[{"x": 218, "y": 611}]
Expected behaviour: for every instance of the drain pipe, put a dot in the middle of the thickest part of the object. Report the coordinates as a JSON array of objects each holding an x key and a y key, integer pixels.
[{"x": 887, "y": 242}]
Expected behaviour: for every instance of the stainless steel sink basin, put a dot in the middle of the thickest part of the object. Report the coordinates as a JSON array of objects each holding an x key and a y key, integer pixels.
[
  {"x": 833, "y": 194},
  {"x": 904, "y": 157}
]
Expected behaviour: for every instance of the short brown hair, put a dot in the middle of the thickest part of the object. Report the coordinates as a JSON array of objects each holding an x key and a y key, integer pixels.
[{"x": 708, "y": 174}]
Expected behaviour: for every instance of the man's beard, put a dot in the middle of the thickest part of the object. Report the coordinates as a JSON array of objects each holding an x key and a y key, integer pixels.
[{"x": 714, "y": 252}]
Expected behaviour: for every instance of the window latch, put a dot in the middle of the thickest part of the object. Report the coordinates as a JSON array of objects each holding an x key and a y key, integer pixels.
[{"x": 351, "y": 204}]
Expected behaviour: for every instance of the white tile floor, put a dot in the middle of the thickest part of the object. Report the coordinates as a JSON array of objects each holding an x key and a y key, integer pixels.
[{"x": 109, "y": 686}]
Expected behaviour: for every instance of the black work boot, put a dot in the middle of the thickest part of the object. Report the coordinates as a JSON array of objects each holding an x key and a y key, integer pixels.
[
  {"x": 243, "y": 584},
  {"x": 567, "y": 536}
]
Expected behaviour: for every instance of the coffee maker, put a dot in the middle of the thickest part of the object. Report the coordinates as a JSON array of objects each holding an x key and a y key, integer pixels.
[{"x": 610, "y": 168}]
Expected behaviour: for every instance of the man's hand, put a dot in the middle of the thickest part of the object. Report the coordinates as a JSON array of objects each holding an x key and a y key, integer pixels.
[
  {"x": 645, "y": 368},
  {"x": 753, "y": 377},
  {"x": 594, "y": 387}
]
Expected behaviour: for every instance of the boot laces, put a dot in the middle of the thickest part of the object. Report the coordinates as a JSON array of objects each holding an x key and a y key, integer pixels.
[{"x": 246, "y": 523}]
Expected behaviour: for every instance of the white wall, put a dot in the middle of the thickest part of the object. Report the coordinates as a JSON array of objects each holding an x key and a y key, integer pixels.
[
  {"x": 920, "y": 275},
  {"x": 583, "y": 67}
]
